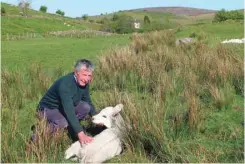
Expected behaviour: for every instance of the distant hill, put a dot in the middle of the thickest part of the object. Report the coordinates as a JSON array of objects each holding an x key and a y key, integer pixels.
[
  {"x": 174, "y": 15},
  {"x": 178, "y": 10}
]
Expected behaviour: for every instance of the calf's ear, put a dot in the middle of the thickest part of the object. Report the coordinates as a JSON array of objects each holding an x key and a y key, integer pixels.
[{"x": 117, "y": 109}]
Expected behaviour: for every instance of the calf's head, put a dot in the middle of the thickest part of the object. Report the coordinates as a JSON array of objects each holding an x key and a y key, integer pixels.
[{"x": 107, "y": 116}]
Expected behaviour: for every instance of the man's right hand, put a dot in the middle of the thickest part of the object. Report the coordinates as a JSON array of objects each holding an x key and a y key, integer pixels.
[{"x": 83, "y": 138}]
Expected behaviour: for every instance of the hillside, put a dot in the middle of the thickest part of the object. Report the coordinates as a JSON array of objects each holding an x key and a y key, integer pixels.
[
  {"x": 160, "y": 16},
  {"x": 175, "y": 15},
  {"x": 139, "y": 15},
  {"x": 38, "y": 22},
  {"x": 177, "y": 10}
]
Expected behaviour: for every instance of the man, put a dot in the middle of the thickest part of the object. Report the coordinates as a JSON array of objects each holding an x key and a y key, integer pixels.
[{"x": 68, "y": 101}]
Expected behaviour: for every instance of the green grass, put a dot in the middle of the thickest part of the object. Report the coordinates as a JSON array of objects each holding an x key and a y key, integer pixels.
[
  {"x": 65, "y": 51},
  {"x": 199, "y": 19},
  {"x": 218, "y": 30},
  {"x": 225, "y": 125},
  {"x": 213, "y": 33},
  {"x": 16, "y": 26},
  {"x": 203, "y": 17}
]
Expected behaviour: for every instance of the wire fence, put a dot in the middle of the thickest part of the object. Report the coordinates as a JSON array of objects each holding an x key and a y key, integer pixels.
[
  {"x": 57, "y": 34},
  {"x": 79, "y": 33},
  {"x": 21, "y": 36}
]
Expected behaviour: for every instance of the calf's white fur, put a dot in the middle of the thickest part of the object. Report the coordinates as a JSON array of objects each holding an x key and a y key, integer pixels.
[
  {"x": 234, "y": 41},
  {"x": 105, "y": 145}
]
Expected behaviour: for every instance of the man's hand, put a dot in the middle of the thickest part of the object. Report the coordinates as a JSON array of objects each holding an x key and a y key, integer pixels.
[{"x": 83, "y": 138}]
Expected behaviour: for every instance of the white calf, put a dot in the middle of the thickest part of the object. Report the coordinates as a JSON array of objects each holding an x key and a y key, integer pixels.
[
  {"x": 234, "y": 41},
  {"x": 105, "y": 145}
]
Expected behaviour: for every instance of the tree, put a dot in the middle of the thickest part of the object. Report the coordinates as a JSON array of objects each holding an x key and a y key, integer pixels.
[
  {"x": 3, "y": 11},
  {"x": 104, "y": 20},
  {"x": 59, "y": 12},
  {"x": 236, "y": 15},
  {"x": 85, "y": 17},
  {"x": 115, "y": 17},
  {"x": 125, "y": 24},
  {"x": 24, "y": 6},
  {"x": 220, "y": 16},
  {"x": 121, "y": 23},
  {"x": 223, "y": 15},
  {"x": 43, "y": 9},
  {"x": 108, "y": 26},
  {"x": 146, "y": 20}
]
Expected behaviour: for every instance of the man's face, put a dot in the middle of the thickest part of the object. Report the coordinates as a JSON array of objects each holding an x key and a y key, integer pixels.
[{"x": 84, "y": 76}]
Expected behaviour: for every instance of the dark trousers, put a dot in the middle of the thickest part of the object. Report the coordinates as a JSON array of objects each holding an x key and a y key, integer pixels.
[{"x": 57, "y": 121}]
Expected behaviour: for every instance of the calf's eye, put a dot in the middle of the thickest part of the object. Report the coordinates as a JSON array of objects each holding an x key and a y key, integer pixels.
[{"x": 104, "y": 116}]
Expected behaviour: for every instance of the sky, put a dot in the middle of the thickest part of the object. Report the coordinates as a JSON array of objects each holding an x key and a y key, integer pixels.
[{"x": 76, "y": 8}]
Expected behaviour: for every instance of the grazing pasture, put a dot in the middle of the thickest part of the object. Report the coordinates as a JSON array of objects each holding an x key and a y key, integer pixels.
[
  {"x": 56, "y": 52},
  {"x": 184, "y": 103}
]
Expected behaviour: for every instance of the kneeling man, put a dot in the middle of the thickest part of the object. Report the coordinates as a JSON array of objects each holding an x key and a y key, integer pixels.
[{"x": 68, "y": 101}]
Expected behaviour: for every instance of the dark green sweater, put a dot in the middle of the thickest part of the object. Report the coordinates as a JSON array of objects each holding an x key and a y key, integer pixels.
[{"x": 65, "y": 94}]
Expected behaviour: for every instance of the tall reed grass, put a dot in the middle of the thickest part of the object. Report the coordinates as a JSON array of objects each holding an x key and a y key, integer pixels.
[{"x": 170, "y": 88}]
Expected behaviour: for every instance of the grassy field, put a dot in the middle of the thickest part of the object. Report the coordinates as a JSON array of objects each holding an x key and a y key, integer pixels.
[
  {"x": 56, "y": 52},
  {"x": 216, "y": 30},
  {"x": 184, "y": 103},
  {"x": 21, "y": 25}
]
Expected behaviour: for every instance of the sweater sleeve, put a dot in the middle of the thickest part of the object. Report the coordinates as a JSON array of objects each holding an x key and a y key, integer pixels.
[
  {"x": 87, "y": 99},
  {"x": 66, "y": 94}
]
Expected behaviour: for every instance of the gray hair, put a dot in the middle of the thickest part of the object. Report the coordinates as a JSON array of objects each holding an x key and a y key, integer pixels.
[{"x": 84, "y": 63}]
